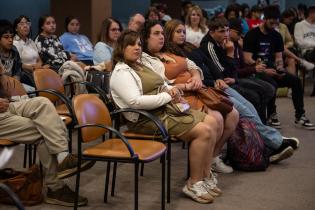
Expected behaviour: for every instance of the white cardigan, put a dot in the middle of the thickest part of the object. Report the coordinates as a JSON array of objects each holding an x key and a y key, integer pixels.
[{"x": 126, "y": 90}]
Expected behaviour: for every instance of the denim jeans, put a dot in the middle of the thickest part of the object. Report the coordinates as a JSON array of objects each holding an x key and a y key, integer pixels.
[{"x": 271, "y": 137}]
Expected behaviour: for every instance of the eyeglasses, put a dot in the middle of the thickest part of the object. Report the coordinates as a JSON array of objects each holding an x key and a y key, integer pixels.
[
  {"x": 115, "y": 29},
  {"x": 24, "y": 23}
]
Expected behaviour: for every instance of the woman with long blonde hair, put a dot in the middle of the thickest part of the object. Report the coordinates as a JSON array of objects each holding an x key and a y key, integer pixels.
[{"x": 195, "y": 24}]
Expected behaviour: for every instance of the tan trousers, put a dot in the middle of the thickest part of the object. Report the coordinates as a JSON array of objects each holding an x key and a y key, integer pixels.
[{"x": 36, "y": 121}]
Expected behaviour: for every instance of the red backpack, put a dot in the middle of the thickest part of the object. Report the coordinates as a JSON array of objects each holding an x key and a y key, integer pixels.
[{"x": 246, "y": 149}]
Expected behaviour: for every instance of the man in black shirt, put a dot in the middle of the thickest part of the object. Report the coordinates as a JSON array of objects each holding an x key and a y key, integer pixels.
[
  {"x": 217, "y": 46},
  {"x": 264, "y": 44}
]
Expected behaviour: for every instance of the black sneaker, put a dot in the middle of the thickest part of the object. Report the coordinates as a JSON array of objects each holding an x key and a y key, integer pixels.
[
  {"x": 282, "y": 153},
  {"x": 68, "y": 167},
  {"x": 304, "y": 122},
  {"x": 64, "y": 197},
  {"x": 274, "y": 121},
  {"x": 291, "y": 141}
]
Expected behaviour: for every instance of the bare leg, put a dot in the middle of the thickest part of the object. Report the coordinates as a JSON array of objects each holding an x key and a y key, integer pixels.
[
  {"x": 202, "y": 139},
  {"x": 230, "y": 124}
]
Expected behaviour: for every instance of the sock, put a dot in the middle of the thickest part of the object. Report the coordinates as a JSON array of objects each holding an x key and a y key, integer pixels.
[
  {"x": 61, "y": 156},
  {"x": 215, "y": 159}
]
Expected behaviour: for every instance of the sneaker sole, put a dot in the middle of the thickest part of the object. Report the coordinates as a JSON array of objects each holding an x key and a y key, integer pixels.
[
  {"x": 222, "y": 171},
  {"x": 296, "y": 140},
  {"x": 306, "y": 128},
  {"x": 63, "y": 203},
  {"x": 194, "y": 197},
  {"x": 288, "y": 152},
  {"x": 73, "y": 171}
]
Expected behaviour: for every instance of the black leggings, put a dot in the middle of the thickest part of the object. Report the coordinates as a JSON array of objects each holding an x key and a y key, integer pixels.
[{"x": 291, "y": 81}]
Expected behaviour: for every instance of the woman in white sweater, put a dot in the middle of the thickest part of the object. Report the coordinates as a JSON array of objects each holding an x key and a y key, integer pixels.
[
  {"x": 134, "y": 85},
  {"x": 195, "y": 25}
]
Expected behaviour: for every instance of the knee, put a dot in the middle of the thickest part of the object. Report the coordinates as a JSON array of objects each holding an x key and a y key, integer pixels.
[
  {"x": 232, "y": 118},
  {"x": 215, "y": 120},
  {"x": 207, "y": 132},
  {"x": 43, "y": 101}
]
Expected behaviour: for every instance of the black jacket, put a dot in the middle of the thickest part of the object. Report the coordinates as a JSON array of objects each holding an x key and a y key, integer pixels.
[{"x": 218, "y": 55}]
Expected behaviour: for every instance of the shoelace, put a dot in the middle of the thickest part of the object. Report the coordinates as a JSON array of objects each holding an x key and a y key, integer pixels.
[{"x": 199, "y": 188}]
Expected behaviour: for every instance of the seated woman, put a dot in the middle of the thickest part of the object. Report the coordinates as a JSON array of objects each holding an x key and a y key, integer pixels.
[
  {"x": 196, "y": 26},
  {"x": 49, "y": 46},
  {"x": 280, "y": 146},
  {"x": 103, "y": 50},
  {"x": 134, "y": 85},
  {"x": 27, "y": 49},
  {"x": 75, "y": 43},
  {"x": 188, "y": 79}
]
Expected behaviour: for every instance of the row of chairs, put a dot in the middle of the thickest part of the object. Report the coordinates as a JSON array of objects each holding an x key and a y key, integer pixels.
[{"x": 89, "y": 114}]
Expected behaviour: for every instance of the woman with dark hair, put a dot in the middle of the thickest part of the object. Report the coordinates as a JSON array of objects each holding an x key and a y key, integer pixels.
[
  {"x": 110, "y": 32},
  {"x": 152, "y": 14},
  {"x": 27, "y": 49},
  {"x": 135, "y": 85},
  {"x": 177, "y": 69},
  {"x": 49, "y": 46},
  {"x": 76, "y": 43}
]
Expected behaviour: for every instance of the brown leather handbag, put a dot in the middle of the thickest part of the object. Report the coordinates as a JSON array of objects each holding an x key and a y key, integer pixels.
[
  {"x": 26, "y": 185},
  {"x": 215, "y": 99}
]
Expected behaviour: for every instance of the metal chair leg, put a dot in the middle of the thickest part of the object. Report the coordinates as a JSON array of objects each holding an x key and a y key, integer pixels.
[
  {"x": 136, "y": 184},
  {"x": 30, "y": 154},
  {"x": 168, "y": 181},
  {"x": 114, "y": 179},
  {"x": 77, "y": 185},
  {"x": 163, "y": 183},
  {"x": 70, "y": 139},
  {"x": 141, "y": 169},
  {"x": 34, "y": 153},
  {"x": 25, "y": 156},
  {"x": 107, "y": 181}
]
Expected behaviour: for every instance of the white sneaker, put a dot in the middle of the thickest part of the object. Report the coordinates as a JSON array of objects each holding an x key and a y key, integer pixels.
[
  {"x": 198, "y": 192},
  {"x": 307, "y": 65},
  {"x": 211, "y": 185},
  {"x": 219, "y": 166}
]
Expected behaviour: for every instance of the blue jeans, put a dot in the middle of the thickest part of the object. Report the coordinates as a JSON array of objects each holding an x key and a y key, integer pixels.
[{"x": 271, "y": 137}]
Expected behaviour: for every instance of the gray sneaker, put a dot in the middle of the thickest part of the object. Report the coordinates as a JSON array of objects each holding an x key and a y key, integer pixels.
[
  {"x": 304, "y": 122},
  {"x": 273, "y": 121},
  {"x": 68, "y": 167},
  {"x": 282, "y": 153},
  {"x": 64, "y": 197}
]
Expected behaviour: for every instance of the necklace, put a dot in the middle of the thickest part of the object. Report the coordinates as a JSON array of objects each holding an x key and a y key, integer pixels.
[{"x": 6, "y": 63}]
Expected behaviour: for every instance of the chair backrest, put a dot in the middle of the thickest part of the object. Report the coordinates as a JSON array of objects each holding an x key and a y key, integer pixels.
[
  {"x": 14, "y": 86},
  {"x": 89, "y": 109},
  {"x": 48, "y": 79}
]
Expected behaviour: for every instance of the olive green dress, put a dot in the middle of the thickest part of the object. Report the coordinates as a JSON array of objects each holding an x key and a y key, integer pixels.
[{"x": 176, "y": 124}]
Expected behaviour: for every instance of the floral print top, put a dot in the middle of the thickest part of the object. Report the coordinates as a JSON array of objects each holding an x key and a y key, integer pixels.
[{"x": 51, "y": 51}]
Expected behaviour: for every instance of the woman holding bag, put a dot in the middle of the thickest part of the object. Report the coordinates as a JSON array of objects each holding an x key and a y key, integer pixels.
[
  {"x": 134, "y": 85},
  {"x": 186, "y": 75}
]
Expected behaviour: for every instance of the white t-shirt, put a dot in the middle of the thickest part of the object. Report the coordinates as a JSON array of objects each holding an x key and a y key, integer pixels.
[
  {"x": 194, "y": 37},
  {"x": 27, "y": 50}
]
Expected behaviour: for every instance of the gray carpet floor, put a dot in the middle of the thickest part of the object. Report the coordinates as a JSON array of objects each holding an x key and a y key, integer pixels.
[{"x": 289, "y": 185}]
